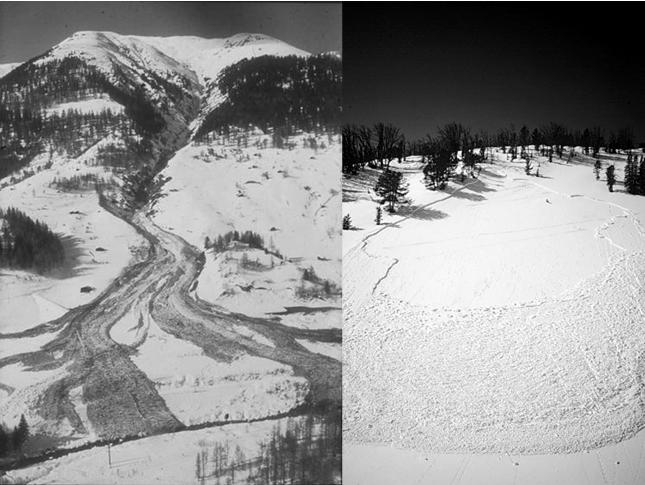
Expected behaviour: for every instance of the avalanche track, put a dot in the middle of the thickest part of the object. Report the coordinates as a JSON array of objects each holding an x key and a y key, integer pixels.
[
  {"x": 121, "y": 400},
  {"x": 527, "y": 357}
]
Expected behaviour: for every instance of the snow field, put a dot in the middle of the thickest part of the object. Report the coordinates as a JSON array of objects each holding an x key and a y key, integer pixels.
[
  {"x": 89, "y": 105},
  {"x": 538, "y": 350},
  {"x": 199, "y": 389},
  {"x": 98, "y": 246},
  {"x": 165, "y": 459},
  {"x": 619, "y": 463},
  {"x": 280, "y": 194}
]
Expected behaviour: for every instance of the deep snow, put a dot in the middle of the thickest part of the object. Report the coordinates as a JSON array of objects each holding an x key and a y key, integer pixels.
[{"x": 503, "y": 315}]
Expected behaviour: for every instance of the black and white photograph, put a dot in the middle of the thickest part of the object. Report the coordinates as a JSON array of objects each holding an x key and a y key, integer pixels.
[
  {"x": 170, "y": 242},
  {"x": 493, "y": 243}
]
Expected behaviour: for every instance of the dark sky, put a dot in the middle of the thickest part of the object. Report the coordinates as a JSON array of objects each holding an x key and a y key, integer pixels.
[
  {"x": 30, "y": 28},
  {"x": 491, "y": 65}
]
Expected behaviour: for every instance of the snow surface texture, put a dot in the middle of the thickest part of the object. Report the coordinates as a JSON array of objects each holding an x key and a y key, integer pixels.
[
  {"x": 524, "y": 331},
  {"x": 199, "y": 389}
]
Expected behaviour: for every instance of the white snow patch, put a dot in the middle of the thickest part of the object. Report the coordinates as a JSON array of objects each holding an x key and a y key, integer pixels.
[
  {"x": 7, "y": 68},
  {"x": 325, "y": 348},
  {"x": 85, "y": 106},
  {"x": 14, "y": 346},
  {"x": 198, "y": 389},
  {"x": 76, "y": 396}
]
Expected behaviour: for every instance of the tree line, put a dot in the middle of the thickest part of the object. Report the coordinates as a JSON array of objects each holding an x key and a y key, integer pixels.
[
  {"x": 28, "y": 244},
  {"x": 381, "y": 143},
  {"x": 455, "y": 147}
]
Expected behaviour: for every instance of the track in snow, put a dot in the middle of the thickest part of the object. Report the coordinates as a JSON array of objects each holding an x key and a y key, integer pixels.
[{"x": 559, "y": 372}]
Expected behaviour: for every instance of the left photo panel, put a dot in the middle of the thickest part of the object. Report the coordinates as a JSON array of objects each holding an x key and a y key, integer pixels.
[{"x": 170, "y": 242}]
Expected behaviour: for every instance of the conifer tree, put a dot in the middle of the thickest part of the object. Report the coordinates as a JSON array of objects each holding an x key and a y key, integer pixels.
[
  {"x": 641, "y": 175},
  {"x": 21, "y": 433},
  {"x": 596, "y": 168},
  {"x": 631, "y": 175},
  {"x": 379, "y": 214},
  {"x": 347, "y": 222},
  {"x": 4, "y": 441},
  {"x": 611, "y": 178},
  {"x": 391, "y": 188}
]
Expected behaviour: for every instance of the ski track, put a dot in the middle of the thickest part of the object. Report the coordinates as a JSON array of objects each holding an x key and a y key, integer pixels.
[
  {"x": 370, "y": 418},
  {"x": 398, "y": 221}
]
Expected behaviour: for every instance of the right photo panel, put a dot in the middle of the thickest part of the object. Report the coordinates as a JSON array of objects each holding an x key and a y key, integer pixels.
[{"x": 493, "y": 244}]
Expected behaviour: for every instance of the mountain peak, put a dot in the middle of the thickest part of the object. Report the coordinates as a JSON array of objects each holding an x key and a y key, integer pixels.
[{"x": 204, "y": 57}]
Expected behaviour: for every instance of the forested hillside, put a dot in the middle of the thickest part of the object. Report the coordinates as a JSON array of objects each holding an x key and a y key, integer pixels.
[{"x": 284, "y": 93}]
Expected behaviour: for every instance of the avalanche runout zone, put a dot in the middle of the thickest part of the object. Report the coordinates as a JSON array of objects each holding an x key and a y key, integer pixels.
[{"x": 559, "y": 375}]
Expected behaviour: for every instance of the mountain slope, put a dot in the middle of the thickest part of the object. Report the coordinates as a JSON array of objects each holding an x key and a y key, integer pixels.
[
  {"x": 102, "y": 148},
  {"x": 7, "y": 68}
]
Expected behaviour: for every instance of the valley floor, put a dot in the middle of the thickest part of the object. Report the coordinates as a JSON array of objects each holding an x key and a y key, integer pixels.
[
  {"x": 83, "y": 367},
  {"x": 501, "y": 316}
]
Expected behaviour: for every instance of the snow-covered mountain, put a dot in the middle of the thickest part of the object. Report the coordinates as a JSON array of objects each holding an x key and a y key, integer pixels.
[
  {"x": 7, "y": 68},
  {"x": 187, "y": 61},
  {"x": 132, "y": 148}
]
